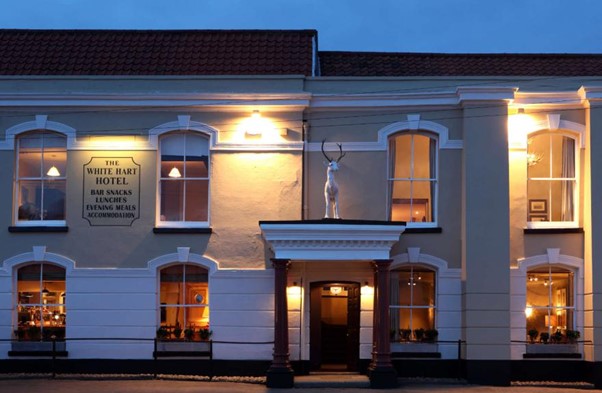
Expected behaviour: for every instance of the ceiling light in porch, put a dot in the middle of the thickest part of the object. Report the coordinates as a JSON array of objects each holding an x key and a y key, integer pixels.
[{"x": 336, "y": 290}]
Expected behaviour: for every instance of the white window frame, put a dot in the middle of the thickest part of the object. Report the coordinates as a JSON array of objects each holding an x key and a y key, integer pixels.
[
  {"x": 576, "y": 189},
  {"x": 411, "y": 306},
  {"x": 183, "y": 306},
  {"x": 39, "y": 305},
  {"x": 435, "y": 180},
  {"x": 17, "y": 180},
  {"x": 549, "y": 308},
  {"x": 183, "y": 224}
]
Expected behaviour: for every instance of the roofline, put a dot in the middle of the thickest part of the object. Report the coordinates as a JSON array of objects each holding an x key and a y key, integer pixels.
[
  {"x": 491, "y": 54},
  {"x": 308, "y": 31}
]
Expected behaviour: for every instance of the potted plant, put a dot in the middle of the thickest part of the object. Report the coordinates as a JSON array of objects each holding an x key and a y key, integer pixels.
[
  {"x": 419, "y": 334},
  {"x": 532, "y": 333},
  {"x": 189, "y": 333},
  {"x": 430, "y": 335},
  {"x": 544, "y": 337},
  {"x": 557, "y": 337},
  {"x": 177, "y": 331},
  {"x": 405, "y": 334},
  {"x": 205, "y": 333},
  {"x": 572, "y": 336},
  {"x": 162, "y": 333}
]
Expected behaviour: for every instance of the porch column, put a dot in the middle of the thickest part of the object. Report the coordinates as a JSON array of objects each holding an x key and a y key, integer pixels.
[
  {"x": 382, "y": 373},
  {"x": 280, "y": 373}
]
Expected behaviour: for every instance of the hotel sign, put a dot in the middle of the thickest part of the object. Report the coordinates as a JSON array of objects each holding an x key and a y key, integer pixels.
[{"x": 111, "y": 191}]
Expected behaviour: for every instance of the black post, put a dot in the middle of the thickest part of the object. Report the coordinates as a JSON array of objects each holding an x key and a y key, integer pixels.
[
  {"x": 155, "y": 364},
  {"x": 53, "y": 356}
]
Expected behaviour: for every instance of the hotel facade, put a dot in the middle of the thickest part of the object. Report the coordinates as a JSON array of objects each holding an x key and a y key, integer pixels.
[{"x": 171, "y": 185}]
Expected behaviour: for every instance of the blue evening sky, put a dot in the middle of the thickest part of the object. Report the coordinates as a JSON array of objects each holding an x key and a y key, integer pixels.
[{"x": 539, "y": 26}]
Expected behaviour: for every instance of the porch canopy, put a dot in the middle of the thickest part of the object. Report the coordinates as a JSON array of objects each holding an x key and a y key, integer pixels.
[{"x": 332, "y": 240}]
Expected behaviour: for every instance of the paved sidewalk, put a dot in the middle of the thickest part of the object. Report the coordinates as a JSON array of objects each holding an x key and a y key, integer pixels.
[{"x": 23, "y": 385}]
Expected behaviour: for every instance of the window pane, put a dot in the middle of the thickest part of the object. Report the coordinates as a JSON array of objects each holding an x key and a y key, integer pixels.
[
  {"x": 197, "y": 150},
  {"x": 400, "y": 288},
  {"x": 197, "y": 194},
  {"x": 401, "y": 153},
  {"x": 538, "y": 149},
  {"x": 422, "y": 167},
  {"x": 172, "y": 200},
  {"x": 421, "y": 201},
  {"x": 423, "y": 318},
  {"x": 174, "y": 316},
  {"x": 424, "y": 288},
  {"x": 172, "y": 280},
  {"x": 57, "y": 157},
  {"x": 30, "y": 200},
  {"x": 198, "y": 316},
  {"x": 54, "y": 200},
  {"x": 28, "y": 284},
  {"x": 30, "y": 155},
  {"x": 538, "y": 290},
  {"x": 400, "y": 319}
]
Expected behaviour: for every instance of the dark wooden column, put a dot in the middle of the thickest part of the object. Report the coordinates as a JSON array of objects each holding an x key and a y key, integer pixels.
[
  {"x": 382, "y": 373},
  {"x": 280, "y": 373}
]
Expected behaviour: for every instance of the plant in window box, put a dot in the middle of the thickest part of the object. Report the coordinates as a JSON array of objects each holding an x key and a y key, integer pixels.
[
  {"x": 162, "y": 333},
  {"x": 430, "y": 335},
  {"x": 419, "y": 334},
  {"x": 189, "y": 333},
  {"x": 205, "y": 333},
  {"x": 532, "y": 334},
  {"x": 544, "y": 337},
  {"x": 405, "y": 334},
  {"x": 177, "y": 332},
  {"x": 572, "y": 336},
  {"x": 557, "y": 337}
]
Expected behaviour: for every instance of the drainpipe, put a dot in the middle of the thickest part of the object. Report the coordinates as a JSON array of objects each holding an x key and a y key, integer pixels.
[{"x": 304, "y": 138}]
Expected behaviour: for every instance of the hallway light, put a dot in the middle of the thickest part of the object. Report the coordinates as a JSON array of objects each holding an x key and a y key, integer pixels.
[
  {"x": 336, "y": 290},
  {"x": 53, "y": 172},
  {"x": 175, "y": 173}
]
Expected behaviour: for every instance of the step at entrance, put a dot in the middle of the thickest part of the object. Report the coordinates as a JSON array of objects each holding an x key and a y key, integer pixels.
[{"x": 332, "y": 380}]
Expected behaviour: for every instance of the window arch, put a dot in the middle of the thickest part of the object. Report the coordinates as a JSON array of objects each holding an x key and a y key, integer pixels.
[
  {"x": 552, "y": 179},
  {"x": 184, "y": 179},
  {"x": 413, "y": 177},
  {"x": 40, "y": 302},
  {"x": 183, "y": 298},
  {"x": 413, "y": 301},
  {"x": 40, "y": 178}
]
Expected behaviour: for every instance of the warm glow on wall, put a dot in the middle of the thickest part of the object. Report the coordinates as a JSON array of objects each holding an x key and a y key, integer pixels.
[
  {"x": 257, "y": 128},
  {"x": 519, "y": 125},
  {"x": 367, "y": 290},
  {"x": 123, "y": 142},
  {"x": 294, "y": 290},
  {"x": 528, "y": 311}
]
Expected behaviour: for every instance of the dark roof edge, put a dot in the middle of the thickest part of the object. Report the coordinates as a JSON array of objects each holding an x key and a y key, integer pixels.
[
  {"x": 479, "y": 54},
  {"x": 308, "y": 31}
]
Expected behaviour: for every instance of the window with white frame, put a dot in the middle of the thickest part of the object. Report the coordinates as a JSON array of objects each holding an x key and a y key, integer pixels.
[
  {"x": 550, "y": 300},
  {"x": 184, "y": 299},
  {"x": 552, "y": 185},
  {"x": 413, "y": 178},
  {"x": 412, "y": 302},
  {"x": 184, "y": 179},
  {"x": 40, "y": 180},
  {"x": 41, "y": 310}
]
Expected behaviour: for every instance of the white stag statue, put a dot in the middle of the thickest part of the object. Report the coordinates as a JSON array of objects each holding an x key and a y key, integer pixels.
[{"x": 331, "y": 188}]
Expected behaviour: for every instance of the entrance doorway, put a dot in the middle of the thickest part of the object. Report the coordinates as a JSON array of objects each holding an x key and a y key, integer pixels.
[{"x": 334, "y": 326}]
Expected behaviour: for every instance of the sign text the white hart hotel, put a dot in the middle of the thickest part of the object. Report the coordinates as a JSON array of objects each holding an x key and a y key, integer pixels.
[{"x": 111, "y": 191}]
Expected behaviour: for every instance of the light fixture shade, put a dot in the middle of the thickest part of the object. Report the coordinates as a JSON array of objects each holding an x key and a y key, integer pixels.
[
  {"x": 53, "y": 172},
  {"x": 45, "y": 291},
  {"x": 175, "y": 172},
  {"x": 254, "y": 124},
  {"x": 336, "y": 290}
]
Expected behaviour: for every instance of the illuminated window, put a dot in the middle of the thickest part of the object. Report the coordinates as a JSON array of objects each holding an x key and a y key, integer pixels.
[
  {"x": 552, "y": 183},
  {"x": 550, "y": 300},
  {"x": 413, "y": 178},
  {"x": 412, "y": 301},
  {"x": 184, "y": 179},
  {"x": 184, "y": 297},
  {"x": 41, "y": 310},
  {"x": 41, "y": 178}
]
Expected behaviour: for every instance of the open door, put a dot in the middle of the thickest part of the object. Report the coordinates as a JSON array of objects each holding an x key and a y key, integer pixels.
[{"x": 334, "y": 326}]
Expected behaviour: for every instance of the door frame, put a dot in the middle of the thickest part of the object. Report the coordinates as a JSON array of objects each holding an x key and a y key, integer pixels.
[{"x": 353, "y": 322}]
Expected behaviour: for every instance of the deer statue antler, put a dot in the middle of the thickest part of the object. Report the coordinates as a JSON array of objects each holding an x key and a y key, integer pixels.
[
  {"x": 341, "y": 154},
  {"x": 323, "y": 152}
]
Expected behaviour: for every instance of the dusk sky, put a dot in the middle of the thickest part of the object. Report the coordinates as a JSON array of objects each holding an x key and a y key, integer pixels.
[{"x": 537, "y": 26}]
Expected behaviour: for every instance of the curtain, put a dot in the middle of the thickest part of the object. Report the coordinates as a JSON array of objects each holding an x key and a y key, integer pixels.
[
  {"x": 432, "y": 175},
  {"x": 568, "y": 171}
]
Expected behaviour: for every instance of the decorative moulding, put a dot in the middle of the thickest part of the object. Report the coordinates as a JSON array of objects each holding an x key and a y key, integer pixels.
[{"x": 318, "y": 242}]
